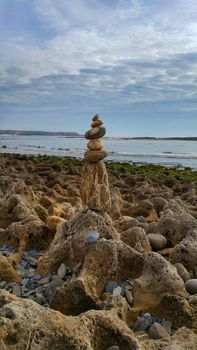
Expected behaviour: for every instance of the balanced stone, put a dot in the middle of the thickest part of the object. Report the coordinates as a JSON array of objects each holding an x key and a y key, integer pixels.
[
  {"x": 95, "y": 133},
  {"x": 95, "y": 156},
  {"x": 95, "y": 118},
  {"x": 95, "y": 145},
  {"x": 157, "y": 241},
  {"x": 97, "y": 123},
  {"x": 191, "y": 286}
]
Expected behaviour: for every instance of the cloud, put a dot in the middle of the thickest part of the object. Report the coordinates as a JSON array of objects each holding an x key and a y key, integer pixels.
[{"x": 126, "y": 52}]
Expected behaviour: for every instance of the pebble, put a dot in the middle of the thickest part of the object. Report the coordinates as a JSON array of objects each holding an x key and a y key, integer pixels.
[
  {"x": 17, "y": 291},
  {"x": 110, "y": 286},
  {"x": 114, "y": 347},
  {"x": 143, "y": 322},
  {"x": 128, "y": 296},
  {"x": 168, "y": 326},
  {"x": 157, "y": 331},
  {"x": 140, "y": 218},
  {"x": 157, "y": 241},
  {"x": 183, "y": 273},
  {"x": 45, "y": 280},
  {"x": 191, "y": 286},
  {"x": 62, "y": 271},
  {"x": 117, "y": 291},
  {"x": 91, "y": 237}
]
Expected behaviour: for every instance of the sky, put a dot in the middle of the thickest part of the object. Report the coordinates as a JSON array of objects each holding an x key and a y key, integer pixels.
[{"x": 132, "y": 61}]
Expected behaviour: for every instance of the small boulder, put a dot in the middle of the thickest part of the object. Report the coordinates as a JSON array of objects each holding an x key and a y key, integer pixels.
[
  {"x": 191, "y": 286},
  {"x": 157, "y": 241},
  {"x": 157, "y": 331}
]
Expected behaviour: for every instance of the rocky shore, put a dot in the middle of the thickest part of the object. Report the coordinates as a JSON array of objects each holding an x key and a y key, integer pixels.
[{"x": 76, "y": 278}]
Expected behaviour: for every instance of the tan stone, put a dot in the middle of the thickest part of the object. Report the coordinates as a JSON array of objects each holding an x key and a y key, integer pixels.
[
  {"x": 95, "y": 133},
  {"x": 97, "y": 123},
  {"x": 94, "y": 187},
  {"x": 95, "y": 145},
  {"x": 7, "y": 272},
  {"x": 95, "y": 156}
]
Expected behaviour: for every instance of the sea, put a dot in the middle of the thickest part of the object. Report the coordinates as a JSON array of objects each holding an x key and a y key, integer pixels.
[{"x": 178, "y": 153}]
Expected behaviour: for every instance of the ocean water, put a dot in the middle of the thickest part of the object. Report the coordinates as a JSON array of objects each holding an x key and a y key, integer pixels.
[{"x": 165, "y": 152}]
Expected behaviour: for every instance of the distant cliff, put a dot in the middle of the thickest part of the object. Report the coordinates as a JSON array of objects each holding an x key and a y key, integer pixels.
[{"x": 43, "y": 133}]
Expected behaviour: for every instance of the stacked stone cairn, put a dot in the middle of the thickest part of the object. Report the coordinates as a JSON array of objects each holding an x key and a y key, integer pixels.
[{"x": 95, "y": 187}]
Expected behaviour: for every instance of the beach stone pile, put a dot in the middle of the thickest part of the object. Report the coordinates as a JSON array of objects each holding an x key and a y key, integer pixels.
[{"x": 95, "y": 186}]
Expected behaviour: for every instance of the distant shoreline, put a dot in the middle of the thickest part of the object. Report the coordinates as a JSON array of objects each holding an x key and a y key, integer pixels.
[{"x": 76, "y": 135}]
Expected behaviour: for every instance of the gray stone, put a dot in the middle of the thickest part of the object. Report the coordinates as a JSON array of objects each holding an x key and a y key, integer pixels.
[
  {"x": 17, "y": 291},
  {"x": 45, "y": 280},
  {"x": 114, "y": 347},
  {"x": 62, "y": 271},
  {"x": 28, "y": 294},
  {"x": 143, "y": 322},
  {"x": 191, "y": 286},
  {"x": 129, "y": 296},
  {"x": 157, "y": 241},
  {"x": 110, "y": 286},
  {"x": 91, "y": 237},
  {"x": 157, "y": 331},
  {"x": 36, "y": 277},
  {"x": 25, "y": 281}
]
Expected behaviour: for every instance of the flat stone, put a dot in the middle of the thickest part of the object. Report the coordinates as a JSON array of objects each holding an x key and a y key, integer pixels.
[
  {"x": 95, "y": 133},
  {"x": 157, "y": 241},
  {"x": 95, "y": 145},
  {"x": 114, "y": 347},
  {"x": 191, "y": 286},
  {"x": 62, "y": 270},
  {"x": 96, "y": 117},
  {"x": 117, "y": 291},
  {"x": 129, "y": 296},
  {"x": 28, "y": 294},
  {"x": 157, "y": 331},
  {"x": 37, "y": 277},
  {"x": 95, "y": 156},
  {"x": 45, "y": 280},
  {"x": 91, "y": 237},
  {"x": 17, "y": 291},
  {"x": 96, "y": 123}
]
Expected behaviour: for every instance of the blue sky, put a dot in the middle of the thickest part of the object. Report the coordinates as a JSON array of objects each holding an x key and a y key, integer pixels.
[{"x": 132, "y": 61}]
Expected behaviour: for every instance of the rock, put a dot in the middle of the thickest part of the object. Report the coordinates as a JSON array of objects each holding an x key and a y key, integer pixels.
[
  {"x": 157, "y": 331},
  {"x": 95, "y": 156},
  {"x": 191, "y": 286},
  {"x": 110, "y": 286},
  {"x": 137, "y": 239},
  {"x": 53, "y": 221},
  {"x": 95, "y": 187},
  {"x": 95, "y": 133},
  {"x": 117, "y": 291},
  {"x": 182, "y": 271},
  {"x": 143, "y": 322},
  {"x": 17, "y": 291},
  {"x": 96, "y": 123},
  {"x": 62, "y": 271},
  {"x": 168, "y": 326},
  {"x": 129, "y": 296},
  {"x": 140, "y": 218},
  {"x": 7, "y": 272},
  {"x": 157, "y": 241},
  {"x": 96, "y": 117},
  {"x": 113, "y": 347},
  {"x": 95, "y": 145},
  {"x": 91, "y": 237},
  {"x": 51, "y": 327},
  {"x": 158, "y": 279},
  {"x": 45, "y": 280}
]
